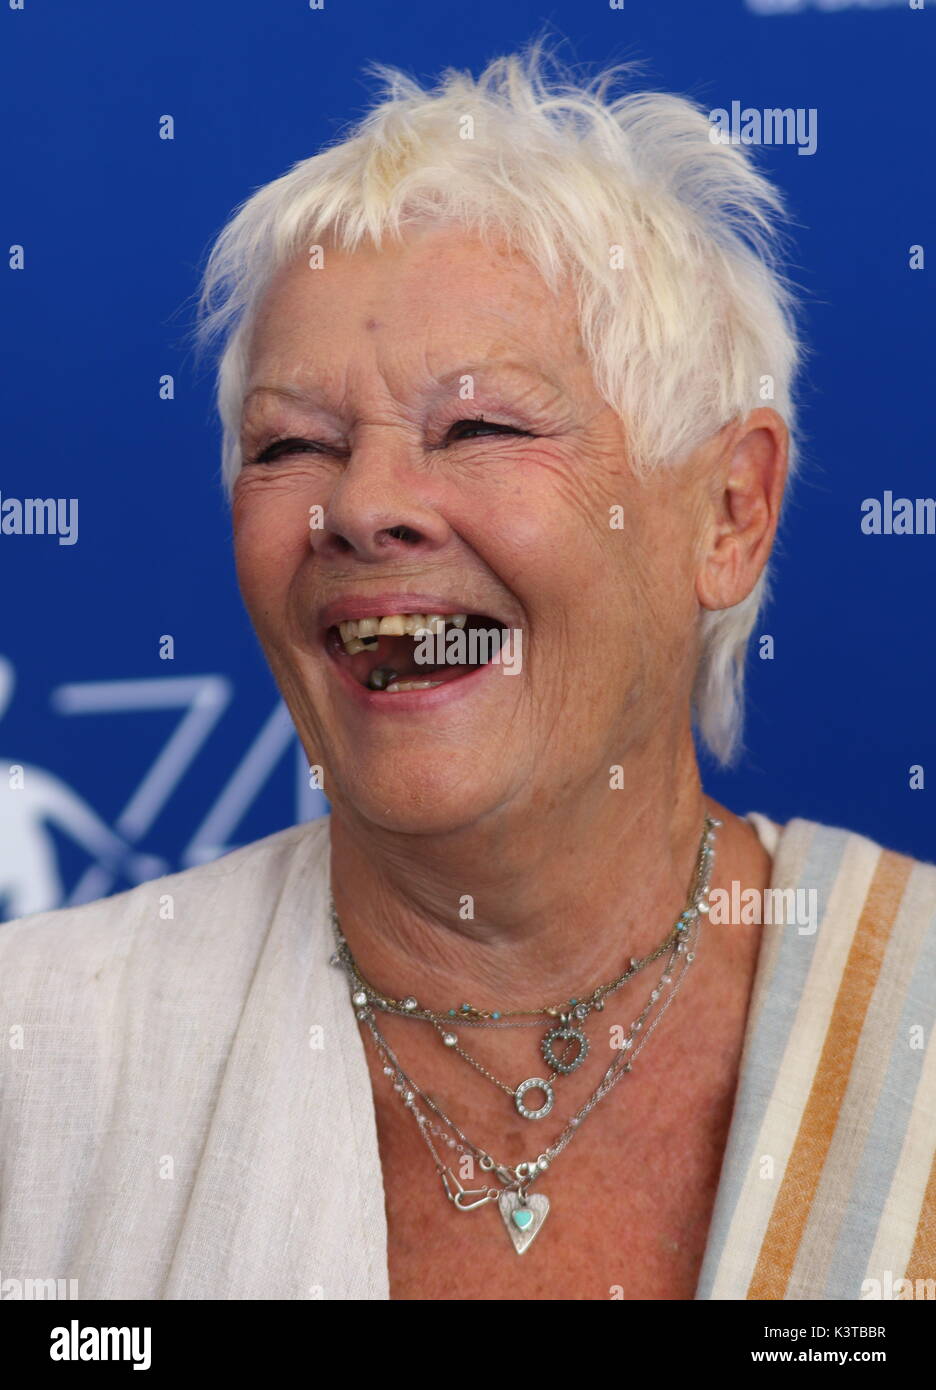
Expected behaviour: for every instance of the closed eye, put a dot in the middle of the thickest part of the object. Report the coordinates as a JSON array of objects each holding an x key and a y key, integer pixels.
[
  {"x": 460, "y": 430},
  {"x": 466, "y": 429},
  {"x": 280, "y": 447}
]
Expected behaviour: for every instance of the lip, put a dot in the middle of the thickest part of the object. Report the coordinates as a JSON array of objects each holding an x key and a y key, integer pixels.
[{"x": 342, "y": 610}]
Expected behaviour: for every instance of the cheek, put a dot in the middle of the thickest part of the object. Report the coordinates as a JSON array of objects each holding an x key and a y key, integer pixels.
[
  {"x": 564, "y": 558},
  {"x": 271, "y": 540},
  {"x": 559, "y": 509},
  {"x": 534, "y": 525}
]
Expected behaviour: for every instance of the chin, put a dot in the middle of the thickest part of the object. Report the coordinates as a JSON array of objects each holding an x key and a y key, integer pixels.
[{"x": 411, "y": 797}]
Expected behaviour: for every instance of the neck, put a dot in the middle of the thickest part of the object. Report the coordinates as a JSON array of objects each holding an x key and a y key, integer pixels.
[{"x": 534, "y": 902}]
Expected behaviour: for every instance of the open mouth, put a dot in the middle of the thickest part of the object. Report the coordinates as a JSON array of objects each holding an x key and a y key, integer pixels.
[{"x": 401, "y": 652}]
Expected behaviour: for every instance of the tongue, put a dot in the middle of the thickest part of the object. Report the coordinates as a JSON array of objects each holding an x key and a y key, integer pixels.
[
  {"x": 390, "y": 653},
  {"x": 398, "y": 655}
]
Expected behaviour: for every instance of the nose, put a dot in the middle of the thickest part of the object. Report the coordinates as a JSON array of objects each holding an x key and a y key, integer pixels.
[{"x": 380, "y": 509}]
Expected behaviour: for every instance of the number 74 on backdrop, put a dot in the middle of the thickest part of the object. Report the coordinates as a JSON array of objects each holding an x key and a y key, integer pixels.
[{"x": 30, "y": 881}]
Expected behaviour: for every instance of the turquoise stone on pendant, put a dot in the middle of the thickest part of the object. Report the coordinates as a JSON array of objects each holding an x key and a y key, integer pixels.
[{"x": 522, "y": 1218}]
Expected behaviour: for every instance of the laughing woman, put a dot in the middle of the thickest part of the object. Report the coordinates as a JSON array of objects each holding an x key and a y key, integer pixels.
[{"x": 504, "y": 493}]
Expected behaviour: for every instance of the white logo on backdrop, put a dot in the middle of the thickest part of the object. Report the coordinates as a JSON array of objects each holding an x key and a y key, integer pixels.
[
  {"x": 797, "y": 6},
  {"x": 36, "y": 802}
]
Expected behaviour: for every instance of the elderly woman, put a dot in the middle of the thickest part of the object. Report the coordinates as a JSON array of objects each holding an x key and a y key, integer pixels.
[{"x": 505, "y": 387}]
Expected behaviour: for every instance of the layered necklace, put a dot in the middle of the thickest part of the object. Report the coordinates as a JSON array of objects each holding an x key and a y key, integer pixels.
[{"x": 564, "y": 1048}]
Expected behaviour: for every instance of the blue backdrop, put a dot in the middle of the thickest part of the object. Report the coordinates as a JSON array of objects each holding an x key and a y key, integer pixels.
[{"x": 132, "y": 764}]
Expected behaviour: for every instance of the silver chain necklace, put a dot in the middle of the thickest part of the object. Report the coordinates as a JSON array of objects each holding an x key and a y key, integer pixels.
[
  {"x": 523, "y": 1213},
  {"x": 565, "y": 1023}
]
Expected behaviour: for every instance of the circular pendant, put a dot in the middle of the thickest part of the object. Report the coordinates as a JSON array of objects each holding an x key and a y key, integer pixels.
[
  {"x": 535, "y": 1083},
  {"x": 572, "y": 1034}
]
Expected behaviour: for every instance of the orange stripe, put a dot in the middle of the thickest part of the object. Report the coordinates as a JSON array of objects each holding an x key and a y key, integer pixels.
[
  {"x": 922, "y": 1262},
  {"x": 820, "y": 1117}
]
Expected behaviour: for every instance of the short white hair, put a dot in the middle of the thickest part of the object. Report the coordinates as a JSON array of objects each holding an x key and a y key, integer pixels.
[{"x": 672, "y": 241}]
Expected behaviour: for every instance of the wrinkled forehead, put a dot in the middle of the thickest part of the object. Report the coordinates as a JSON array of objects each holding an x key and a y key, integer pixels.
[{"x": 429, "y": 307}]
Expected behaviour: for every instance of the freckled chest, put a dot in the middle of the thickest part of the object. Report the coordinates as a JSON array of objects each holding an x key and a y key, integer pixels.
[{"x": 630, "y": 1201}]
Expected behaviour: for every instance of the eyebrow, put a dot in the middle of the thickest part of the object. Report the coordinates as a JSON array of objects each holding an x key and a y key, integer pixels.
[
  {"x": 291, "y": 393},
  {"x": 310, "y": 395},
  {"x": 497, "y": 365}
]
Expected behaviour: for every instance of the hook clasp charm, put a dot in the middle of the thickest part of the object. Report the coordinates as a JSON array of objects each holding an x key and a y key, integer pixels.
[{"x": 464, "y": 1199}]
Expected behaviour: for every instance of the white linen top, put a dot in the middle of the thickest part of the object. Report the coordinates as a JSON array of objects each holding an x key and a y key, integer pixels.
[{"x": 186, "y": 1110}]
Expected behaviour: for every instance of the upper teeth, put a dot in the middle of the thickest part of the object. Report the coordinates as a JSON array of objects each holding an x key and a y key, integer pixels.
[{"x": 358, "y": 632}]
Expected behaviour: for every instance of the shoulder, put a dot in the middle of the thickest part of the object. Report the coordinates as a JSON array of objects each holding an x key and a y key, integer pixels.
[
  {"x": 131, "y": 1027},
  {"x": 882, "y": 879},
  {"x": 838, "y": 1073},
  {"x": 187, "y": 917},
  {"x": 854, "y": 922}
]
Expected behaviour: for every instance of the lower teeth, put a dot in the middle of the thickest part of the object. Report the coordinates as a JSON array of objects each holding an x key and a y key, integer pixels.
[
  {"x": 399, "y": 686},
  {"x": 383, "y": 678},
  {"x": 380, "y": 678}
]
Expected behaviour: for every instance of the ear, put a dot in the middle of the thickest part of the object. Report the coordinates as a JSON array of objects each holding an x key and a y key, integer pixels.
[{"x": 748, "y": 475}]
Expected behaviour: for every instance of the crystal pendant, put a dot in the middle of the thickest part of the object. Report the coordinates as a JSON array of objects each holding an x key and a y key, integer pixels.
[
  {"x": 534, "y": 1083},
  {"x": 564, "y": 1034}
]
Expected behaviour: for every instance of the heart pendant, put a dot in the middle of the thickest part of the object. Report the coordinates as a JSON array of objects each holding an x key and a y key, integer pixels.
[{"x": 524, "y": 1220}]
